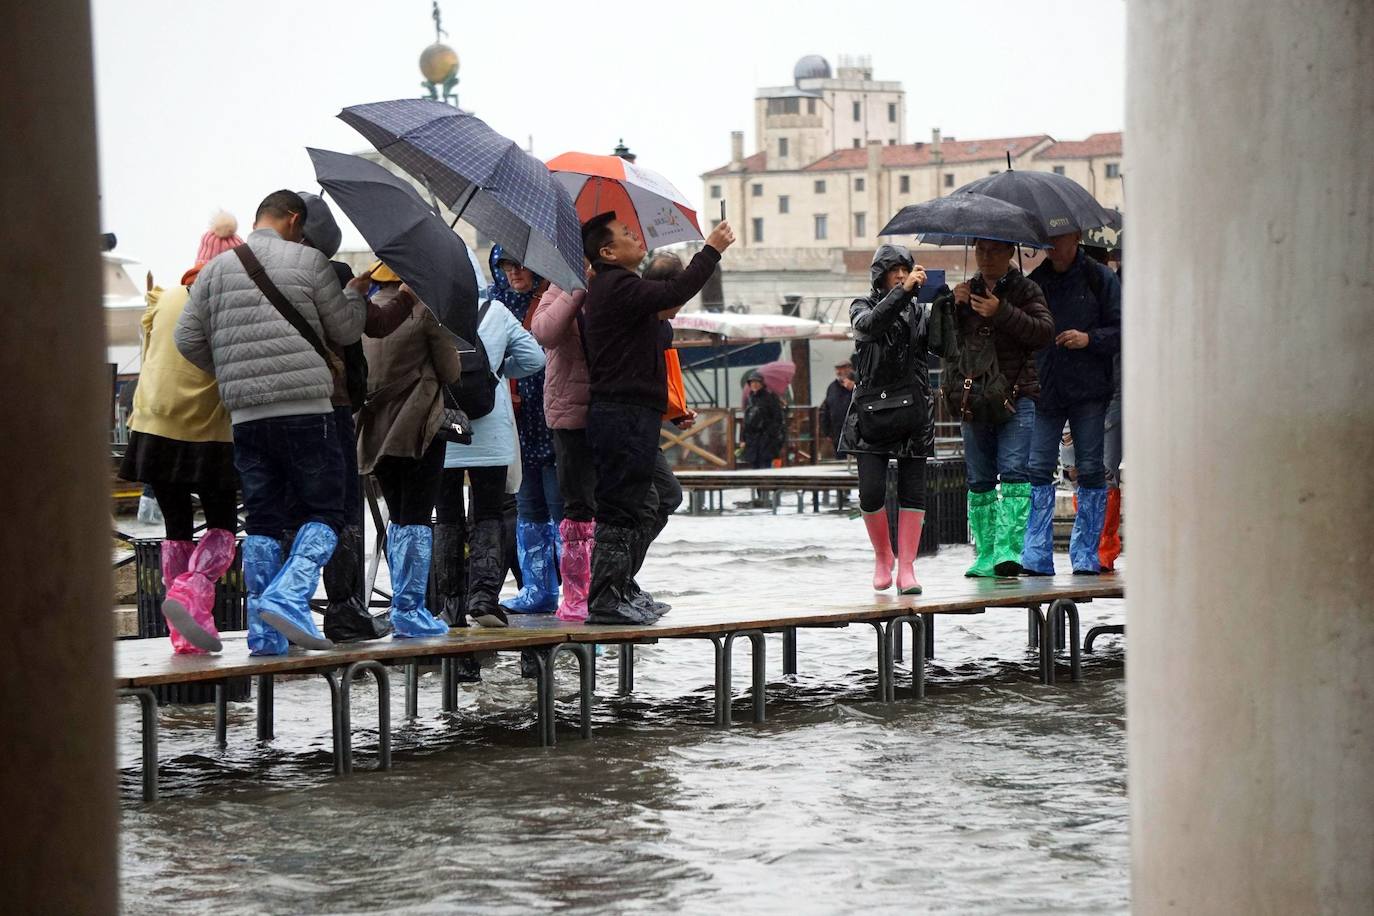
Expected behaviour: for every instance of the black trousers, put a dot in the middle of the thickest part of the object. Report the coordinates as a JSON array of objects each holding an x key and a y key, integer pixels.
[
  {"x": 624, "y": 442},
  {"x": 410, "y": 486},
  {"x": 911, "y": 482},
  {"x": 488, "y": 495},
  {"x": 221, "y": 509},
  {"x": 576, "y": 474}
]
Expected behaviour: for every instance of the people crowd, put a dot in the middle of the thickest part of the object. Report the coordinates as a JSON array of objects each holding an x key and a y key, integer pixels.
[{"x": 272, "y": 370}]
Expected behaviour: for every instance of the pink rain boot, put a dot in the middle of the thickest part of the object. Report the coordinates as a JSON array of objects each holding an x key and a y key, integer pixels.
[
  {"x": 191, "y": 597},
  {"x": 909, "y": 525},
  {"x": 878, "y": 536},
  {"x": 575, "y": 565}
]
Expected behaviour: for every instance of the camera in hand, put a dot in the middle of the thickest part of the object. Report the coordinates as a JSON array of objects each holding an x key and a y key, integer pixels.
[{"x": 978, "y": 286}]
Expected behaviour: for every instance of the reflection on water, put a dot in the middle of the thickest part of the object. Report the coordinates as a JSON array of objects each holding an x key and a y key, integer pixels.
[{"x": 995, "y": 794}]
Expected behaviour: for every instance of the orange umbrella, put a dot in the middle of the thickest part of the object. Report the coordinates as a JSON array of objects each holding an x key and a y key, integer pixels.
[{"x": 642, "y": 199}]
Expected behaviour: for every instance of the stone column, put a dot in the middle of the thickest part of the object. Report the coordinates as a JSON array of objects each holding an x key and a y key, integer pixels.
[
  {"x": 57, "y": 778},
  {"x": 1250, "y": 427}
]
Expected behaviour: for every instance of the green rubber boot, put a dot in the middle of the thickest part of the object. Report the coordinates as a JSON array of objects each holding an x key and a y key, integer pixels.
[
  {"x": 1013, "y": 510},
  {"x": 982, "y": 528}
]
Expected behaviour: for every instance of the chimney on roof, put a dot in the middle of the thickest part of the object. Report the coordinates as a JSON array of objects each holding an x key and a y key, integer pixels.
[
  {"x": 736, "y": 148},
  {"x": 875, "y": 155},
  {"x": 935, "y": 142}
]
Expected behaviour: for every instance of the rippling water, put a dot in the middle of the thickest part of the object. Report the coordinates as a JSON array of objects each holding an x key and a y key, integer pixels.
[{"x": 993, "y": 795}]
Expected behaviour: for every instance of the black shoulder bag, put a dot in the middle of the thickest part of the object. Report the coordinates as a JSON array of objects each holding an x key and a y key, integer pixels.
[{"x": 475, "y": 390}]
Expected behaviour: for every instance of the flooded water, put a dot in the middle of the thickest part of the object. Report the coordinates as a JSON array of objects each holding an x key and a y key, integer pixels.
[{"x": 993, "y": 795}]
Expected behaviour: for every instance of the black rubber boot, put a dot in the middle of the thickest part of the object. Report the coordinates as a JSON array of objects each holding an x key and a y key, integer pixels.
[
  {"x": 643, "y": 537},
  {"x": 450, "y": 574},
  {"x": 347, "y": 618},
  {"x": 608, "y": 601},
  {"x": 486, "y": 572},
  {"x": 509, "y": 554}
]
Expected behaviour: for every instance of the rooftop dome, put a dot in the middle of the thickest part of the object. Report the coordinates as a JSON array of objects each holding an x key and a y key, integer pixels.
[{"x": 812, "y": 66}]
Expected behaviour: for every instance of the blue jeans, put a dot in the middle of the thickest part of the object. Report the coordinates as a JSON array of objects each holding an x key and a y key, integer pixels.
[
  {"x": 1111, "y": 447},
  {"x": 540, "y": 499},
  {"x": 1086, "y": 422},
  {"x": 292, "y": 470},
  {"x": 999, "y": 452}
]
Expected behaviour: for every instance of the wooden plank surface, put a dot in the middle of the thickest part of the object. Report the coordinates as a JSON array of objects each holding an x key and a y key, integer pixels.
[{"x": 146, "y": 662}]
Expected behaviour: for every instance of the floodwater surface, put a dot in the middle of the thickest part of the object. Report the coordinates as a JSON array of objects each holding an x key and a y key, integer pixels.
[{"x": 993, "y": 795}]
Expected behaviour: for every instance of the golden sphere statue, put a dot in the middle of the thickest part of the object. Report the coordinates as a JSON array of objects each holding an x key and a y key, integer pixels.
[{"x": 438, "y": 63}]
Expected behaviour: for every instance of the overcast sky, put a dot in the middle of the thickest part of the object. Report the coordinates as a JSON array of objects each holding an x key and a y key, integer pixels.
[{"x": 207, "y": 105}]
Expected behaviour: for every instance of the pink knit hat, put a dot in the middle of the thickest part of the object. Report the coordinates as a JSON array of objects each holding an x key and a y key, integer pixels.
[{"x": 219, "y": 238}]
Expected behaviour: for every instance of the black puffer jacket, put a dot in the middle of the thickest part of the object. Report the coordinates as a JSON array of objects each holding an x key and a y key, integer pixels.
[{"x": 890, "y": 335}]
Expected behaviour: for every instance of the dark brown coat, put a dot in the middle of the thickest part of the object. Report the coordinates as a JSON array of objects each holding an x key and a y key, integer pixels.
[
  {"x": 1022, "y": 325},
  {"x": 404, "y": 403}
]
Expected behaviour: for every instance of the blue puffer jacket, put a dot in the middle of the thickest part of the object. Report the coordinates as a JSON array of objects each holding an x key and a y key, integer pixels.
[{"x": 1069, "y": 377}]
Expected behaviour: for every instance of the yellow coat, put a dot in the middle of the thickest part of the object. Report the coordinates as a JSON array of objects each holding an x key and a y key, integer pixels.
[{"x": 174, "y": 399}]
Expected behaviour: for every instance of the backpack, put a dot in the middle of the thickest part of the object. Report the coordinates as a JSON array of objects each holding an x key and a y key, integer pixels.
[{"x": 475, "y": 390}]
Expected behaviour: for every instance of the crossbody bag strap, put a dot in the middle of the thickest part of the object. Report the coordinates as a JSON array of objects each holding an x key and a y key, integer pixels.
[{"x": 258, "y": 275}]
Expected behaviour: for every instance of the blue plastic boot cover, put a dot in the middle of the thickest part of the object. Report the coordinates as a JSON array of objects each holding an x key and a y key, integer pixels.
[
  {"x": 261, "y": 561},
  {"x": 1037, "y": 557},
  {"x": 1087, "y": 530},
  {"x": 408, "y": 552},
  {"x": 285, "y": 604},
  {"x": 534, "y": 545}
]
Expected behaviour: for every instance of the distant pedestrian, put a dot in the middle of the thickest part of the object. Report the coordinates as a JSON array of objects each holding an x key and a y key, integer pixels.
[
  {"x": 835, "y": 407},
  {"x": 277, "y": 382},
  {"x": 629, "y": 395},
  {"x": 764, "y": 428},
  {"x": 890, "y": 414},
  {"x": 999, "y": 319},
  {"x": 1076, "y": 386}
]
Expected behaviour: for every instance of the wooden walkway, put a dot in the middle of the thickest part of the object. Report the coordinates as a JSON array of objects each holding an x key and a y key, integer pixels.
[
  {"x": 706, "y": 487},
  {"x": 1052, "y": 603}
]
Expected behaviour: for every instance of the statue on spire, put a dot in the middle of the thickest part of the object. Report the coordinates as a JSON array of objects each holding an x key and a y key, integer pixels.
[{"x": 439, "y": 65}]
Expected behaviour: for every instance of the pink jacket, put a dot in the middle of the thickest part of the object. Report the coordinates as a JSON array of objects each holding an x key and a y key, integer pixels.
[{"x": 566, "y": 385}]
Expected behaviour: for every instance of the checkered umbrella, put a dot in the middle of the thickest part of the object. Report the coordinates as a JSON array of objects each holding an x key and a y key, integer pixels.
[{"x": 485, "y": 178}]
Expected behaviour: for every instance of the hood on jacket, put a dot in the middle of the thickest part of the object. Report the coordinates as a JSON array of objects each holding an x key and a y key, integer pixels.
[
  {"x": 500, "y": 287},
  {"x": 886, "y": 258},
  {"x": 320, "y": 228}
]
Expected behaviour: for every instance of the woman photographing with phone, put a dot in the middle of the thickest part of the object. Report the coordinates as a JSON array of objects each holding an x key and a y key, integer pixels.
[{"x": 890, "y": 414}]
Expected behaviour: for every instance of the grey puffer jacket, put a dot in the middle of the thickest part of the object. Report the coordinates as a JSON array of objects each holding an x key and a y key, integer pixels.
[{"x": 264, "y": 367}]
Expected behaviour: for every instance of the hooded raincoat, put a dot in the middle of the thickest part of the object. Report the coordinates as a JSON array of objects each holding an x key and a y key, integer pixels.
[
  {"x": 536, "y": 443},
  {"x": 891, "y": 341}
]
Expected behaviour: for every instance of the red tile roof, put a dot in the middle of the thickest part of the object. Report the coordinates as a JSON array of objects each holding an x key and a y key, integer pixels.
[
  {"x": 1096, "y": 145},
  {"x": 909, "y": 155},
  {"x": 754, "y": 163}
]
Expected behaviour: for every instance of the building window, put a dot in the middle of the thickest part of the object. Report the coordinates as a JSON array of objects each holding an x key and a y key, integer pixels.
[
  {"x": 1059, "y": 170},
  {"x": 822, "y": 227},
  {"x": 784, "y": 204},
  {"x": 858, "y": 144},
  {"x": 820, "y": 186},
  {"x": 860, "y": 225},
  {"x": 858, "y": 184},
  {"x": 756, "y": 190},
  {"x": 782, "y": 147},
  {"x": 758, "y": 229},
  {"x": 858, "y": 112},
  {"x": 904, "y": 184},
  {"x": 784, "y": 106},
  {"x": 1113, "y": 170},
  {"x": 892, "y": 112},
  {"x": 810, "y": 106},
  {"x": 715, "y": 192},
  {"x": 891, "y": 142},
  {"x": 949, "y": 179}
]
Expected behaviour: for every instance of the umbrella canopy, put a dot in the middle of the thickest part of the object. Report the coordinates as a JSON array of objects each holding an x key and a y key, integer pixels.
[
  {"x": 1058, "y": 201},
  {"x": 483, "y": 177},
  {"x": 963, "y": 218},
  {"x": 406, "y": 234},
  {"x": 778, "y": 375},
  {"x": 644, "y": 200}
]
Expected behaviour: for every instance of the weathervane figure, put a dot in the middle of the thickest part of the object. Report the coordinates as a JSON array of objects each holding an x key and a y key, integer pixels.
[{"x": 439, "y": 65}]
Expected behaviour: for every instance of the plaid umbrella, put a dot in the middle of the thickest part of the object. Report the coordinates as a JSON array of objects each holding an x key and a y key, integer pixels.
[{"x": 483, "y": 177}]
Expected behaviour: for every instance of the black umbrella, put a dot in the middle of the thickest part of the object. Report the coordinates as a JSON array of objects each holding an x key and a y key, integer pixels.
[
  {"x": 406, "y": 234},
  {"x": 1061, "y": 203},
  {"x": 963, "y": 218},
  {"x": 484, "y": 177}
]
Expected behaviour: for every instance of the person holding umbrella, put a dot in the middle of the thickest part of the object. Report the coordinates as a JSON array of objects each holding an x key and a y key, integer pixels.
[
  {"x": 539, "y": 500},
  {"x": 765, "y": 424},
  {"x": 1076, "y": 386},
  {"x": 999, "y": 319},
  {"x": 890, "y": 414}
]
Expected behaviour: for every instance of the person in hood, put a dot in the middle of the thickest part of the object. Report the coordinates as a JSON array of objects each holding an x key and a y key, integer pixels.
[
  {"x": 890, "y": 414},
  {"x": 765, "y": 424},
  {"x": 539, "y": 501},
  {"x": 1076, "y": 387}
]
